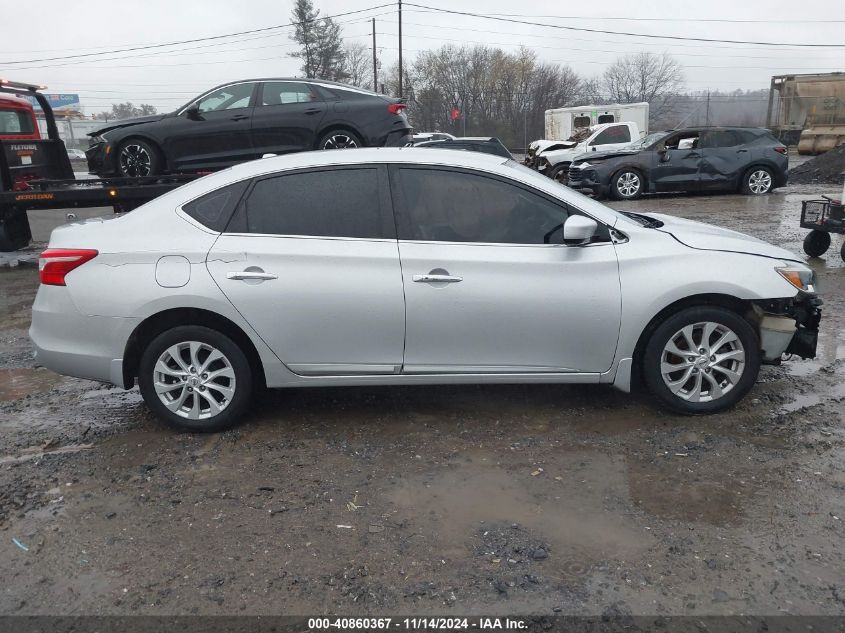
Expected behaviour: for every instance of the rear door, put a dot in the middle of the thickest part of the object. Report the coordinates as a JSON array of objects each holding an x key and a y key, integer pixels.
[
  {"x": 287, "y": 117},
  {"x": 677, "y": 163},
  {"x": 218, "y": 135},
  {"x": 724, "y": 155},
  {"x": 310, "y": 260}
]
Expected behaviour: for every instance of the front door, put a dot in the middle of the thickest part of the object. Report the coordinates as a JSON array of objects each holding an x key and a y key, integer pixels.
[
  {"x": 316, "y": 273},
  {"x": 489, "y": 288},
  {"x": 677, "y": 163},
  {"x": 287, "y": 117},
  {"x": 218, "y": 134}
]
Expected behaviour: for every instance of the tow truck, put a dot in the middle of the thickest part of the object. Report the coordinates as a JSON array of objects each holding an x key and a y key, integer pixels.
[{"x": 35, "y": 173}]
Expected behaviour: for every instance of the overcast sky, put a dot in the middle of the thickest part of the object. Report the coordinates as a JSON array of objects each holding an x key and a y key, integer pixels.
[{"x": 167, "y": 78}]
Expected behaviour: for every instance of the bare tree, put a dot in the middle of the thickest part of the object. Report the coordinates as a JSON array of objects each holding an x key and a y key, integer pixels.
[
  {"x": 359, "y": 64},
  {"x": 644, "y": 77},
  {"x": 126, "y": 110}
]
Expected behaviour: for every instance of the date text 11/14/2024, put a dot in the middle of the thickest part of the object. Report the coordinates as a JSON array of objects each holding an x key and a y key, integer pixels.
[{"x": 417, "y": 623}]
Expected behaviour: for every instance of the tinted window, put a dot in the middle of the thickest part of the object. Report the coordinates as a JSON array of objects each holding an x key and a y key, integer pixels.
[
  {"x": 454, "y": 206},
  {"x": 329, "y": 203},
  {"x": 15, "y": 122},
  {"x": 722, "y": 138},
  {"x": 581, "y": 121},
  {"x": 282, "y": 92},
  {"x": 214, "y": 209},
  {"x": 606, "y": 118},
  {"x": 227, "y": 98},
  {"x": 614, "y": 134}
]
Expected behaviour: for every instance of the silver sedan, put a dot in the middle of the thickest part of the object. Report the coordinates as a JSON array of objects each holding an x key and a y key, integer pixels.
[{"x": 405, "y": 266}]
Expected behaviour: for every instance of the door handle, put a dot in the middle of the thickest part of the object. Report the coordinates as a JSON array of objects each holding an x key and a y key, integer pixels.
[
  {"x": 240, "y": 117},
  {"x": 443, "y": 279},
  {"x": 250, "y": 274},
  {"x": 740, "y": 151},
  {"x": 313, "y": 111}
]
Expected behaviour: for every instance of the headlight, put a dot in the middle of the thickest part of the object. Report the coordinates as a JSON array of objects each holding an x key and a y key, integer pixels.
[{"x": 801, "y": 277}]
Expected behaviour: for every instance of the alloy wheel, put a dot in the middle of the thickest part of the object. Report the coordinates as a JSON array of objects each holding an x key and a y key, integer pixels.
[
  {"x": 702, "y": 362},
  {"x": 760, "y": 181},
  {"x": 194, "y": 380},
  {"x": 135, "y": 160},
  {"x": 340, "y": 141},
  {"x": 628, "y": 184}
]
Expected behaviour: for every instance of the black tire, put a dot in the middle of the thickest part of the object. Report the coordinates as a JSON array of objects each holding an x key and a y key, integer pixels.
[
  {"x": 339, "y": 139},
  {"x": 238, "y": 365},
  {"x": 701, "y": 373},
  {"x": 627, "y": 184},
  {"x": 816, "y": 243},
  {"x": 753, "y": 180},
  {"x": 560, "y": 173},
  {"x": 136, "y": 157},
  {"x": 842, "y": 252}
]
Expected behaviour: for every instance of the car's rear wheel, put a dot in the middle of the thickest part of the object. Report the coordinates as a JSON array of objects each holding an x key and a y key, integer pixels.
[
  {"x": 195, "y": 379},
  {"x": 627, "y": 185},
  {"x": 757, "y": 181},
  {"x": 702, "y": 360},
  {"x": 560, "y": 172},
  {"x": 816, "y": 243},
  {"x": 137, "y": 158},
  {"x": 340, "y": 139}
]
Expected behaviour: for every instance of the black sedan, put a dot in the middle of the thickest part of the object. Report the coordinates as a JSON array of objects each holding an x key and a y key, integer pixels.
[
  {"x": 483, "y": 144},
  {"x": 244, "y": 120},
  {"x": 749, "y": 160}
]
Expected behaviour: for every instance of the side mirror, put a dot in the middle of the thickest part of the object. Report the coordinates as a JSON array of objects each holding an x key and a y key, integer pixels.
[
  {"x": 578, "y": 230},
  {"x": 594, "y": 148},
  {"x": 193, "y": 112},
  {"x": 663, "y": 154}
]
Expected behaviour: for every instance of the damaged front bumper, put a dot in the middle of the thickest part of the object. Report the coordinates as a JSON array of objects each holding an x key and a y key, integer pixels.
[{"x": 788, "y": 326}]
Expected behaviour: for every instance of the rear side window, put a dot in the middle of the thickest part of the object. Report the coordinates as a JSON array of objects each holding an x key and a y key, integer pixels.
[
  {"x": 15, "y": 122},
  {"x": 214, "y": 209},
  {"x": 723, "y": 138},
  {"x": 324, "y": 203},
  {"x": 614, "y": 134},
  {"x": 284, "y": 92}
]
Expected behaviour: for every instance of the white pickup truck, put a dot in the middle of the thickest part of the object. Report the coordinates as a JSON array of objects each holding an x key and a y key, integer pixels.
[{"x": 554, "y": 159}]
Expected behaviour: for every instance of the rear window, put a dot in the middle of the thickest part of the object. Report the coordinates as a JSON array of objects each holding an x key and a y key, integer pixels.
[
  {"x": 341, "y": 202},
  {"x": 15, "y": 122},
  {"x": 581, "y": 121},
  {"x": 606, "y": 118},
  {"x": 214, "y": 209}
]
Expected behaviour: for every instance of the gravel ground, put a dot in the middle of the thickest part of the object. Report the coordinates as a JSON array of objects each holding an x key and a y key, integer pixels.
[{"x": 464, "y": 499}]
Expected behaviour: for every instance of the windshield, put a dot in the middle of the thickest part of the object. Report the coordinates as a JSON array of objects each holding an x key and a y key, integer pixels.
[{"x": 648, "y": 140}]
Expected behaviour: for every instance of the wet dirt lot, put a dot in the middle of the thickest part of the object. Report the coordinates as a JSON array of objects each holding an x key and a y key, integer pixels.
[{"x": 466, "y": 499}]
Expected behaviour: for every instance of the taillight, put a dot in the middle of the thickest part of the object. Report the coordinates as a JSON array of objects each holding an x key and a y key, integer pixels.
[
  {"x": 55, "y": 263},
  {"x": 780, "y": 149},
  {"x": 396, "y": 108}
]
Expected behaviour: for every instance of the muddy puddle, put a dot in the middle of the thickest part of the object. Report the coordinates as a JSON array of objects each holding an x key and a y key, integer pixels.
[{"x": 19, "y": 383}]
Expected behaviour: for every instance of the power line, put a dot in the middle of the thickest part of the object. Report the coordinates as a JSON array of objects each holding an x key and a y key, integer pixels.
[
  {"x": 647, "y": 35},
  {"x": 191, "y": 41},
  {"x": 639, "y": 19}
]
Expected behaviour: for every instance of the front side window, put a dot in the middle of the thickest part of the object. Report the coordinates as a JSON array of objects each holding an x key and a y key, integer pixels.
[
  {"x": 325, "y": 203},
  {"x": 15, "y": 122},
  {"x": 614, "y": 134},
  {"x": 228, "y": 98},
  {"x": 284, "y": 92},
  {"x": 455, "y": 206}
]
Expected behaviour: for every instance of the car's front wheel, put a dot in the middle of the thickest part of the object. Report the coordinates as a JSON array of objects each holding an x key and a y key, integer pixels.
[
  {"x": 340, "y": 139},
  {"x": 195, "y": 379},
  {"x": 137, "y": 158},
  {"x": 757, "y": 181},
  {"x": 560, "y": 172},
  {"x": 627, "y": 185},
  {"x": 702, "y": 360}
]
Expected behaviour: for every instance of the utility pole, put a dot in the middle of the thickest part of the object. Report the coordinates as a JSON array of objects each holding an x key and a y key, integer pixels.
[
  {"x": 375, "y": 62},
  {"x": 707, "y": 115},
  {"x": 400, "y": 49}
]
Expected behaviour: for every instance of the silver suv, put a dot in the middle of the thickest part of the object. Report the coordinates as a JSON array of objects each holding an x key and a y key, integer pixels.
[{"x": 407, "y": 266}]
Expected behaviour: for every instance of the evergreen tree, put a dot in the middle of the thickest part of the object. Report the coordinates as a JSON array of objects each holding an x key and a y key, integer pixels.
[{"x": 320, "y": 41}]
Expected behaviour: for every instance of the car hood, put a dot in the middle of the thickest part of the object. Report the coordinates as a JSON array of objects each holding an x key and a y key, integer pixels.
[
  {"x": 713, "y": 238},
  {"x": 113, "y": 125},
  {"x": 590, "y": 156}
]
